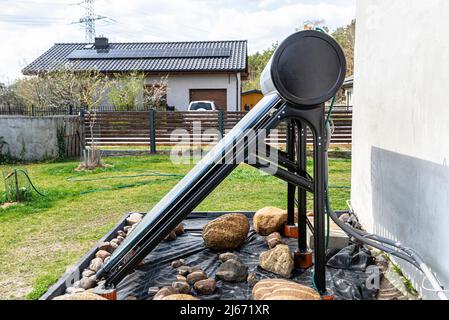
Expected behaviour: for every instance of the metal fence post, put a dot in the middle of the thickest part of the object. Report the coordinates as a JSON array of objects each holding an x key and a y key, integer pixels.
[
  {"x": 82, "y": 128},
  {"x": 33, "y": 110},
  {"x": 152, "y": 131},
  {"x": 221, "y": 127}
]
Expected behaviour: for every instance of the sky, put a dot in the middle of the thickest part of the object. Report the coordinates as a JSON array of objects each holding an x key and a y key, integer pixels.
[{"x": 30, "y": 27}]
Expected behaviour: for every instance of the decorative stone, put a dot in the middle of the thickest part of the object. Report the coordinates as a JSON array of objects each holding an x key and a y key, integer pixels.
[
  {"x": 196, "y": 276},
  {"x": 114, "y": 245},
  {"x": 107, "y": 259},
  {"x": 232, "y": 271},
  {"x": 121, "y": 233},
  {"x": 80, "y": 296},
  {"x": 177, "y": 263},
  {"x": 171, "y": 236},
  {"x": 73, "y": 290},
  {"x": 206, "y": 286},
  {"x": 181, "y": 278},
  {"x": 252, "y": 279},
  {"x": 102, "y": 254},
  {"x": 126, "y": 229},
  {"x": 106, "y": 246},
  {"x": 96, "y": 264},
  {"x": 87, "y": 273},
  {"x": 278, "y": 260},
  {"x": 274, "y": 239},
  {"x": 164, "y": 292},
  {"x": 152, "y": 291},
  {"x": 87, "y": 283},
  {"x": 179, "y": 229},
  {"x": 280, "y": 289},
  {"x": 120, "y": 239},
  {"x": 183, "y": 270},
  {"x": 228, "y": 256},
  {"x": 269, "y": 220},
  {"x": 133, "y": 219},
  {"x": 182, "y": 286},
  {"x": 180, "y": 297},
  {"x": 226, "y": 232}
]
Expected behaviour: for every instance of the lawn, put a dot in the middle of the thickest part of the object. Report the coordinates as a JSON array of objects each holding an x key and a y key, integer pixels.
[{"x": 39, "y": 239}]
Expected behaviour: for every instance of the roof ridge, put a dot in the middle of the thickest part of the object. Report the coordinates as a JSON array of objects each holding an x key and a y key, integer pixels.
[{"x": 151, "y": 42}]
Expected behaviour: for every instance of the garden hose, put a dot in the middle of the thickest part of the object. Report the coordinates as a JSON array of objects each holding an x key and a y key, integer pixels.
[
  {"x": 150, "y": 174},
  {"x": 131, "y": 185},
  {"x": 14, "y": 172}
]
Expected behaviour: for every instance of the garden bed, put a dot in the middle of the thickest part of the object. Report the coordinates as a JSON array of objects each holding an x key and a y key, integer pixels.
[{"x": 346, "y": 272}]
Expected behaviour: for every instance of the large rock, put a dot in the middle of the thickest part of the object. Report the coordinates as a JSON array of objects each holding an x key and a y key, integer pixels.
[
  {"x": 80, "y": 296},
  {"x": 232, "y": 271},
  {"x": 280, "y": 289},
  {"x": 278, "y": 260},
  {"x": 180, "y": 297},
  {"x": 269, "y": 220},
  {"x": 226, "y": 232}
]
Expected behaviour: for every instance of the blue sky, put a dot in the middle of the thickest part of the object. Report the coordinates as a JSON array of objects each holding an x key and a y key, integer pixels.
[{"x": 29, "y": 27}]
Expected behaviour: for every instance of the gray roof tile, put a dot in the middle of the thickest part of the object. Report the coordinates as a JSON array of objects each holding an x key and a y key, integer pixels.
[{"x": 56, "y": 58}]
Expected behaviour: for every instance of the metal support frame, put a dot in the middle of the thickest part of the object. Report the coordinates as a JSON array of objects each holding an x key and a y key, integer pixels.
[
  {"x": 299, "y": 119},
  {"x": 312, "y": 118},
  {"x": 295, "y": 160}
]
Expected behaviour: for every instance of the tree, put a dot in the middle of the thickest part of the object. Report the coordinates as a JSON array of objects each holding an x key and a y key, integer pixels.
[
  {"x": 93, "y": 89},
  {"x": 126, "y": 89},
  {"x": 155, "y": 94},
  {"x": 345, "y": 36},
  {"x": 256, "y": 64}
]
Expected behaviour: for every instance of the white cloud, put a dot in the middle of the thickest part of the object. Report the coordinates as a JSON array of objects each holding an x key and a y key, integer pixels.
[{"x": 29, "y": 27}]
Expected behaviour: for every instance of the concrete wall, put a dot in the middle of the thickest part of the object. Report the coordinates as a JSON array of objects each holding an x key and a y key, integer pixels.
[
  {"x": 400, "y": 173},
  {"x": 179, "y": 86},
  {"x": 31, "y": 138}
]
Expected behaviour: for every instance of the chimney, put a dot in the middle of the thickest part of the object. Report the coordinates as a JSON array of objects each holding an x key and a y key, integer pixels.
[{"x": 101, "y": 43}]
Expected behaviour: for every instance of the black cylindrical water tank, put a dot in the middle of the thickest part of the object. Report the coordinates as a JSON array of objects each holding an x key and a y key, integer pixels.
[{"x": 307, "y": 68}]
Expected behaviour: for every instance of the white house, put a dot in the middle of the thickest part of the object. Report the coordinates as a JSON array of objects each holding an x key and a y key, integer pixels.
[
  {"x": 202, "y": 70},
  {"x": 348, "y": 87}
]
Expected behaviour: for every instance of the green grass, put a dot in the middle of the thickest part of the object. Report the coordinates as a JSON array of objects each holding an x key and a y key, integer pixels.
[{"x": 41, "y": 238}]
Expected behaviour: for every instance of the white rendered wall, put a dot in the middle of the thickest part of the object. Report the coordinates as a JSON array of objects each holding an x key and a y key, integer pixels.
[
  {"x": 400, "y": 173},
  {"x": 178, "y": 94}
]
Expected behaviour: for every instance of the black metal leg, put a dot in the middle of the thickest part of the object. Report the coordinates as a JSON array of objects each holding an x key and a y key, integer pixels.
[
  {"x": 291, "y": 188},
  {"x": 319, "y": 211},
  {"x": 302, "y": 195}
]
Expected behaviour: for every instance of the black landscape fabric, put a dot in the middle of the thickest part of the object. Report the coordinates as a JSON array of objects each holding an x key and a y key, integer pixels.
[{"x": 347, "y": 272}]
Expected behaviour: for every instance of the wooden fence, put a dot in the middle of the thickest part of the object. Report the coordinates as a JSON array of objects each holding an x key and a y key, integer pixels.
[
  {"x": 162, "y": 128},
  {"x": 73, "y": 137}
]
